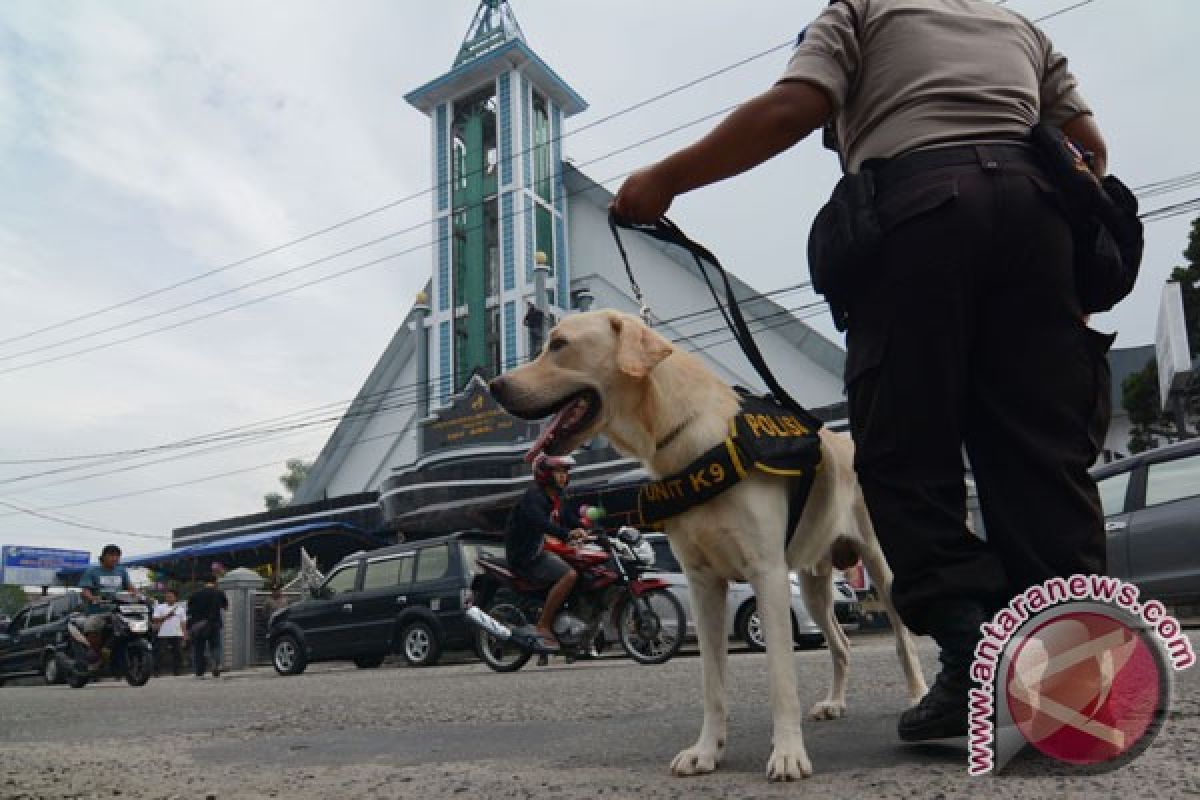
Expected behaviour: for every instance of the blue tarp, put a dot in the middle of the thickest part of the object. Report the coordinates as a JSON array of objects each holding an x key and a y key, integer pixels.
[{"x": 246, "y": 544}]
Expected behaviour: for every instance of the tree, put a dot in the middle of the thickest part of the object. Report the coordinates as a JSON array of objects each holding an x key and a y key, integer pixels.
[
  {"x": 297, "y": 471},
  {"x": 1139, "y": 391},
  {"x": 12, "y": 599}
]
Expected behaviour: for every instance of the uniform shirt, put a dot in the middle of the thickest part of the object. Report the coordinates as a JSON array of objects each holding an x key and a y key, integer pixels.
[
  {"x": 207, "y": 604},
  {"x": 530, "y": 521},
  {"x": 930, "y": 72},
  {"x": 104, "y": 583},
  {"x": 172, "y": 617}
]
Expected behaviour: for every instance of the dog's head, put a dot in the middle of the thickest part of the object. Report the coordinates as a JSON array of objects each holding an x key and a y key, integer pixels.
[{"x": 590, "y": 362}]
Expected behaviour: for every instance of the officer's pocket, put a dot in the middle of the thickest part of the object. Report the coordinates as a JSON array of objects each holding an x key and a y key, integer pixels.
[
  {"x": 911, "y": 199},
  {"x": 867, "y": 401},
  {"x": 1100, "y": 410}
]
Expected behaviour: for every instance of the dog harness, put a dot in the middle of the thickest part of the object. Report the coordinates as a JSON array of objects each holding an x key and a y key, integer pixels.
[{"x": 763, "y": 436}]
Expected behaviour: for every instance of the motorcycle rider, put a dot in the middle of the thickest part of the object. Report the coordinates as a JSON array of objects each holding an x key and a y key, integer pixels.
[
  {"x": 100, "y": 585},
  {"x": 543, "y": 513}
]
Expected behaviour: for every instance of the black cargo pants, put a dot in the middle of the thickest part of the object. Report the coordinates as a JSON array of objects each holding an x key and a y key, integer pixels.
[{"x": 970, "y": 333}]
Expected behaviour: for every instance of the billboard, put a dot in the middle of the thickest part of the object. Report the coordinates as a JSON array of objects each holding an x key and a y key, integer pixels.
[
  {"x": 37, "y": 566},
  {"x": 1171, "y": 343}
]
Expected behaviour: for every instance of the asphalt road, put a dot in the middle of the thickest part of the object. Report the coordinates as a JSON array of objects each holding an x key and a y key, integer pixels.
[{"x": 604, "y": 729}]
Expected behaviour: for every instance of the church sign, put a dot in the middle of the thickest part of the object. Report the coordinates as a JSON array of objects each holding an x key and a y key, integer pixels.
[{"x": 474, "y": 418}]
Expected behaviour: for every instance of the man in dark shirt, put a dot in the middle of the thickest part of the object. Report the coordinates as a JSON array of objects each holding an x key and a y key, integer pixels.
[
  {"x": 543, "y": 513},
  {"x": 205, "y": 626}
]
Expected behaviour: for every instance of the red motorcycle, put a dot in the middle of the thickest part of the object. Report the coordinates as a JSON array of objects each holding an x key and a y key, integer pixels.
[{"x": 648, "y": 619}]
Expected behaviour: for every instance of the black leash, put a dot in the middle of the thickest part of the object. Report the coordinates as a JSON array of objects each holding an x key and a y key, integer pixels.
[
  {"x": 666, "y": 231},
  {"x": 637, "y": 290}
]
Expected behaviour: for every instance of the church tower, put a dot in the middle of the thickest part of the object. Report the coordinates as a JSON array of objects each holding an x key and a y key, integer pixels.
[{"x": 500, "y": 215}]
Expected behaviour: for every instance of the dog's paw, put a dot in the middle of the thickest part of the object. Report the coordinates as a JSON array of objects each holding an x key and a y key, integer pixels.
[
  {"x": 789, "y": 764},
  {"x": 695, "y": 761},
  {"x": 827, "y": 709}
]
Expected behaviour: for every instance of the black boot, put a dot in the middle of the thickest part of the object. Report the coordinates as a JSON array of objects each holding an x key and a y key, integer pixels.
[{"x": 942, "y": 713}]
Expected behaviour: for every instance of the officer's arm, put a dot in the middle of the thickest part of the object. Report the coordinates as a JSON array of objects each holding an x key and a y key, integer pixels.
[
  {"x": 758, "y": 130},
  {"x": 1084, "y": 130}
]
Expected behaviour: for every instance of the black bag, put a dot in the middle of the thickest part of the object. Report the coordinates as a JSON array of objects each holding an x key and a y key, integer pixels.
[
  {"x": 1103, "y": 215},
  {"x": 844, "y": 242}
]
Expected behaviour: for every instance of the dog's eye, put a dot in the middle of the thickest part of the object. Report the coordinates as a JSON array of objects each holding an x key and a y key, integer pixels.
[{"x": 556, "y": 344}]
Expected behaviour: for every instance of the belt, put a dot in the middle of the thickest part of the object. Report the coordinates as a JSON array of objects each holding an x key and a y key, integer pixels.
[{"x": 988, "y": 156}]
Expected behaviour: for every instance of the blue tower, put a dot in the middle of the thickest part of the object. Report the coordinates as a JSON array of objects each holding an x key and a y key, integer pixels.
[{"x": 500, "y": 215}]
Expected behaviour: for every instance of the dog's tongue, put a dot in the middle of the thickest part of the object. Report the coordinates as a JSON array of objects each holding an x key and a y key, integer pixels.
[{"x": 548, "y": 433}]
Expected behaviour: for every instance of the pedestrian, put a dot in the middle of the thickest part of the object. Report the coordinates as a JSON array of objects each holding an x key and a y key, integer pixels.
[
  {"x": 275, "y": 602},
  {"x": 964, "y": 323},
  {"x": 205, "y": 627},
  {"x": 169, "y": 621}
]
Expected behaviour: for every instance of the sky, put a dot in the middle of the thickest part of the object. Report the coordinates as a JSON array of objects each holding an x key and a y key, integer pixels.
[{"x": 153, "y": 143}]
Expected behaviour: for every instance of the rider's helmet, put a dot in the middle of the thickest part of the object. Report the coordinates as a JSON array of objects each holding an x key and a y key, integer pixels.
[{"x": 544, "y": 466}]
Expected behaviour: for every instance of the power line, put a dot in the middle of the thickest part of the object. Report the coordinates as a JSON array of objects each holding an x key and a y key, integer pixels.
[
  {"x": 399, "y": 397},
  {"x": 1171, "y": 211},
  {"x": 289, "y": 290},
  {"x": 783, "y": 317},
  {"x": 359, "y": 217},
  {"x": 77, "y": 524},
  {"x": 395, "y": 203},
  {"x": 1053, "y": 14}
]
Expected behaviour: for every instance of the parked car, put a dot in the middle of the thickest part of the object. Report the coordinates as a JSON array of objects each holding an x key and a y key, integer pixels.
[
  {"x": 36, "y": 639},
  {"x": 1152, "y": 520},
  {"x": 409, "y": 599},
  {"x": 742, "y": 620}
]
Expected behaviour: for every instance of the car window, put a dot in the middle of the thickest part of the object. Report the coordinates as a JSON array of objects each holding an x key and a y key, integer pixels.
[
  {"x": 433, "y": 563},
  {"x": 388, "y": 572},
  {"x": 342, "y": 581},
  {"x": 58, "y": 608},
  {"x": 1173, "y": 480},
  {"x": 664, "y": 558},
  {"x": 18, "y": 622},
  {"x": 37, "y": 616},
  {"x": 1112, "y": 492},
  {"x": 473, "y": 550}
]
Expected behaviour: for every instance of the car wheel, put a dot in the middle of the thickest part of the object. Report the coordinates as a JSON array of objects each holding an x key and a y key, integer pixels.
[
  {"x": 287, "y": 656},
  {"x": 748, "y": 628},
  {"x": 52, "y": 672},
  {"x": 419, "y": 645},
  {"x": 369, "y": 662}
]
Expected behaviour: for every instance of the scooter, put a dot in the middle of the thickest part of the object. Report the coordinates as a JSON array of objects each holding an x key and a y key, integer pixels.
[{"x": 126, "y": 649}]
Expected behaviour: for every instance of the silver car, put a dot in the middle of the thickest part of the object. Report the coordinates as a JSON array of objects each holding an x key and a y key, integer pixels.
[
  {"x": 1152, "y": 520},
  {"x": 742, "y": 620}
]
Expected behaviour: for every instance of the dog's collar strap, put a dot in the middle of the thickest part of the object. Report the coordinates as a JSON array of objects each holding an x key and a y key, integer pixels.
[
  {"x": 763, "y": 436},
  {"x": 665, "y": 442}
]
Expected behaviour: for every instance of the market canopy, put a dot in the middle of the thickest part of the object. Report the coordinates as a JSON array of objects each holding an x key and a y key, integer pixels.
[{"x": 328, "y": 542}]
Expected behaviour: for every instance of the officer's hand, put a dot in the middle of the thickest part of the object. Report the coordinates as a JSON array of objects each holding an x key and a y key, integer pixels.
[{"x": 644, "y": 196}]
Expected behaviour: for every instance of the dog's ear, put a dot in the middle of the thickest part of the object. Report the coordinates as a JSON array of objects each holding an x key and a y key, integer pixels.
[{"x": 639, "y": 349}]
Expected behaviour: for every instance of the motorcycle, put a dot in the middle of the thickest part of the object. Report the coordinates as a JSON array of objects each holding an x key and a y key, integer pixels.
[
  {"x": 126, "y": 648},
  {"x": 649, "y": 620}
]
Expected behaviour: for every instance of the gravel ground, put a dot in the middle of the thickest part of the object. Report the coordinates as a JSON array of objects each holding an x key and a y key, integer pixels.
[{"x": 605, "y": 729}]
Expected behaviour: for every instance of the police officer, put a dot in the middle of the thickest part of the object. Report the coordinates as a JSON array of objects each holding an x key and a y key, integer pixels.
[{"x": 966, "y": 328}]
